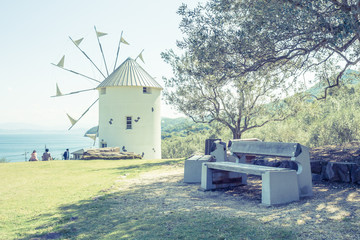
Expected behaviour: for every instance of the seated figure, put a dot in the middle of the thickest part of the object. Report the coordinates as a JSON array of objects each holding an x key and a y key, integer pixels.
[{"x": 46, "y": 156}]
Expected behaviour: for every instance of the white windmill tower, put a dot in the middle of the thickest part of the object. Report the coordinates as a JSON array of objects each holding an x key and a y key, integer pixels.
[
  {"x": 129, "y": 106},
  {"x": 129, "y": 111}
]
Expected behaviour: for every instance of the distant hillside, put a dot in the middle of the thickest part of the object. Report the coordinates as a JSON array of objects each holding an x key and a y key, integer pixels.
[
  {"x": 180, "y": 127},
  {"x": 175, "y": 124}
]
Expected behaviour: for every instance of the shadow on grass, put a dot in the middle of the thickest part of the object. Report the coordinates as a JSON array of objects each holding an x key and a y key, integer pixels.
[
  {"x": 142, "y": 165},
  {"x": 153, "y": 211}
]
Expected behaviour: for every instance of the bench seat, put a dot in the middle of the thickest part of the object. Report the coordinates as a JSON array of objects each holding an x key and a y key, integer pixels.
[
  {"x": 279, "y": 185},
  {"x": 244, "y": 168}
]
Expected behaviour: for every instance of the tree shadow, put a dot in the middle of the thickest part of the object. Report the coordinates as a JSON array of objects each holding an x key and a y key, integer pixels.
[
  {"x": 163, "y": 209},
  {"x": 167, "y": 208},
  {"x": 146, "y": 165}
]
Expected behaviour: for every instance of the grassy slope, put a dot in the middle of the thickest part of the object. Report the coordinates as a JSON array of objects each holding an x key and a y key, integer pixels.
[
  {"x": 75, "y": 200},
  {"x": 32, "y": 192}
]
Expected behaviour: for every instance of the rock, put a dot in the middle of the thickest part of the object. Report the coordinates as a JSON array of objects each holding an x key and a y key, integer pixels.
[
  {"x": 108, "y": 154},
  {"x": 288, "y": 164},
  {"x": 259, "y": 162},
  {"x": 355, "y": 173},
  {"x": 317, "y": 166},
  {"x": 274, "y": 163},
  {"x": 337, "y": 171}
]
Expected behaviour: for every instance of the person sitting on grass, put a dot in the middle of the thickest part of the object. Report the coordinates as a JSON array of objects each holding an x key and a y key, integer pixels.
[
  {"x": 46, "y": 156},
  {"x": 33, "y": 157}
]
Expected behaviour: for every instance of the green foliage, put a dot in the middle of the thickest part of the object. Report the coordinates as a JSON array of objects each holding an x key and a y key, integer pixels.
[
  {"x": 216, "y": 77},
  {"x": 182, "y": 138},
  {"x": 232, "y": 49},
  {"x": 180, "y": 127},
  {"x": 246, "y": 36},
  {"x": 333, "y": 121},
  {"x": 179, "y": 142},
  {"x": 3, "y": 160}
]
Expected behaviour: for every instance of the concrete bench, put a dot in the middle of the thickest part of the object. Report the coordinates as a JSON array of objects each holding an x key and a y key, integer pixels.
[{"x": 279, "y": 185}]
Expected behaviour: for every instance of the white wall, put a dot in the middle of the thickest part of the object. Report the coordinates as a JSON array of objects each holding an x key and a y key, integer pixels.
[{"x": 121, "y": 102}]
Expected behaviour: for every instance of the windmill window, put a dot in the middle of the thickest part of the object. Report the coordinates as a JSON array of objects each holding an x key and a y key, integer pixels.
[
  {"x": 102, "y": 91},
  {"x": 146, "y": 90},
  {"x": 128, "y": 122}
]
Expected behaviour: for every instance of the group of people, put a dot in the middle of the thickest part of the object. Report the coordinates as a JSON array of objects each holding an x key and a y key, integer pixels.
[{"x": 47, "y": 156}]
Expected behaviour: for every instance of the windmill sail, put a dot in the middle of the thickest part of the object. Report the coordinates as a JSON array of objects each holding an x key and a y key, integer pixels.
[
  {"x": 77, "y": 42},
  {"x": 92, "y": 136},
  {"x": 123, "y": 41},
  {"x": 92, "y": 133},
  {"x": 141, "y": 57},
  {"x": 61, "y": 62},
  {"x": 58, "y": 92},
  {"x": 100, "y": 34},
  {"x": 72, "y": 120}
]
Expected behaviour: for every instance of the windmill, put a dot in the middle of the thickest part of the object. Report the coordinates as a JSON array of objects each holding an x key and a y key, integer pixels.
[{"x": 129, "y": 103}]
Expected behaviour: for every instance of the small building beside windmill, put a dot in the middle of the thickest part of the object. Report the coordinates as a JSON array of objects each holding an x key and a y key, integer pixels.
[{"x": 129, "y": 111}]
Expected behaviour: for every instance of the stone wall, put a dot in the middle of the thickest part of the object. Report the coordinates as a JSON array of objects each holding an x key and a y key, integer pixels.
[{"x": 321, "y": 170}]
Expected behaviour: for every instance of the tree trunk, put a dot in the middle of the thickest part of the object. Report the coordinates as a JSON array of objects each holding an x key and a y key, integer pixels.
[{"x": 236, "y": 134}]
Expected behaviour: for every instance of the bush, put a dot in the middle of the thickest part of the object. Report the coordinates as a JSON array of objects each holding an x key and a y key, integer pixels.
[{"x": 3, "y": 160}]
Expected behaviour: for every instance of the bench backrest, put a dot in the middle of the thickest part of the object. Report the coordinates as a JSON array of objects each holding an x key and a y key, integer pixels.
[
  {"x": 265, "y": 148},
  {"x": 295, "y": 151}
]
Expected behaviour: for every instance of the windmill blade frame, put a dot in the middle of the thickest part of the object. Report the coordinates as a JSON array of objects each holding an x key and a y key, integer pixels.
[
  {"x": 83, "y": 113},
  {"x": 77, "y": 73},
  {"x": 101, "y": 49},
  {"x": 88, "y": 57},
  {"x": 70, "y": 93}
]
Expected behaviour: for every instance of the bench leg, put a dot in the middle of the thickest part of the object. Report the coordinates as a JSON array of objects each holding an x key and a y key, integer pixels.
[
  {"x": 279, "y": 187},
  {"x": 304, "y": 173},
  {"x": 206, "y": 178}
]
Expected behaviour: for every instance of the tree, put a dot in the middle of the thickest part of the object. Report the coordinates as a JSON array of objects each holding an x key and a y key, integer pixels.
[
  {"x": 239, "y": 103},
  {"x": 208, "y": 84},
  {"x": 299, "y": 36}
]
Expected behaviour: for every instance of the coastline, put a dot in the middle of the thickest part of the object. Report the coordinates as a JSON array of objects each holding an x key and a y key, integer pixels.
[{"x": 16, "y": 146}]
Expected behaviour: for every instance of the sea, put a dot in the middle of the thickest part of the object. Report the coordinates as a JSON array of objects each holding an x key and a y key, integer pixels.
[{"x": 17, "y": 147}]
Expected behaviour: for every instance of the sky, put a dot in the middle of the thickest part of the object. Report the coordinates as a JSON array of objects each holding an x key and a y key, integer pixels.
[{"x": 36, "y": 33}]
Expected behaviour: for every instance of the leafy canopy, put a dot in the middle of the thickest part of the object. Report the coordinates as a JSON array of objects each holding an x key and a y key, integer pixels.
[
  {"x": 210, "y": 82},
  {"x": 299, "y": 36}
]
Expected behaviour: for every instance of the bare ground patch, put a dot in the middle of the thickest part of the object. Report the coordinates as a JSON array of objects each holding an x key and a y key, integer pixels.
[{"x": 332, "y": 213}]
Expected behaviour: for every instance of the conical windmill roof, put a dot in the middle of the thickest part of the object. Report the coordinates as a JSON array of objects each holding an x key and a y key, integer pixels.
[{"x": 129, "y": 73}]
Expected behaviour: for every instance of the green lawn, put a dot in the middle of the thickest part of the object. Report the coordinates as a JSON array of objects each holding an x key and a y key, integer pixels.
[
  {"x": 32, "y": 193},
  {"x": 74, "y": 200}
]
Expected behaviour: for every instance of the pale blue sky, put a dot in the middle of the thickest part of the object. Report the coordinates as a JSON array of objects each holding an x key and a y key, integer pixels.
[{"x": 35, "y": 34}]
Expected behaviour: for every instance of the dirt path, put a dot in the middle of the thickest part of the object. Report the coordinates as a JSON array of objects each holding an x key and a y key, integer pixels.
[{"x": 334, "y": 210}]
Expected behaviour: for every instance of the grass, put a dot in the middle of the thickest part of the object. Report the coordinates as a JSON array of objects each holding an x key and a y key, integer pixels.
[
  {"x": 78, "y": 200},
  {"x": 32, "y": 193}
]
